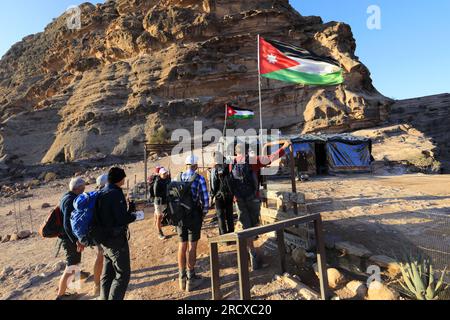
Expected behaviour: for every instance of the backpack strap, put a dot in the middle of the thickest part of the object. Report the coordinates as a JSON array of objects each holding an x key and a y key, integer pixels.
[
  {"x": 191, "y": 181},
  {"x": 193, "y": 178}
]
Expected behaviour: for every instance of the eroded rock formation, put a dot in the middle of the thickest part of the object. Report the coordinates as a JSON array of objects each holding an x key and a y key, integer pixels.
[{"x": 136, "y": 66}]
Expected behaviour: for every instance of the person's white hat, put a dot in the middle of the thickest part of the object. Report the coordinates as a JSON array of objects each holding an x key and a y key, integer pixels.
[
  {"x": 102, "y": 180},
  {"x": 191, "y": 160},
  {"x": 163, "y": 170},
  {"x": 76, "y": 183}
]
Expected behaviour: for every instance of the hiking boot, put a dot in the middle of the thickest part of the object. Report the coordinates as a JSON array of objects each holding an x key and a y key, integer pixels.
[
  {"x": 193, "y": 283},
  {"x": 182, "y": 282},
  {"x": 67, "y": 296},
  {"x": 161, "y": 236}
]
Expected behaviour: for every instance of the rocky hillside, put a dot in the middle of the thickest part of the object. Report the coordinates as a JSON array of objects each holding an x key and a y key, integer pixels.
[
  {"x": 140, "y": 66},
  {"x": 429, "y": 116}
]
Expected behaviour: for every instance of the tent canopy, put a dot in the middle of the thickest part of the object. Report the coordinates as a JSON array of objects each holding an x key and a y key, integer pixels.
[
  {"x": 336, "y": 152},
  {"x": 344, "y": 152}
]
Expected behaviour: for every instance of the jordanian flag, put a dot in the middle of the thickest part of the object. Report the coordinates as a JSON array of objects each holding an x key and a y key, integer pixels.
[
  {"x": 285, "y": 62},
  {"x": 236, "y": 113}
]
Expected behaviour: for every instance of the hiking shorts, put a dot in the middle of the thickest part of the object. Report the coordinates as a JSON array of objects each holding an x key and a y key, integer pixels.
[
  {"x": 191, "y": 231},
  {"x": 189, "y": 234},
  {"x": 73, "y": 257},
  {"x": 249, "y": 212},
  {"x": 159, "y": 210}
]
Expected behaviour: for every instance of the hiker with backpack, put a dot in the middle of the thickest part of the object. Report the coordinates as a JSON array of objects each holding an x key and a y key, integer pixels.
[
  {"x": 151, "y": 183},
  {"x": 111, "y": 220},
  {"x": 221, "y": 192},
  {"x": 67, "y": 240},
  {"x": 245, "y": 172},
  {"x": 102, "y": 181},
  {"x": 160, "y": 186},
  {"x": 188, "y": 200}
]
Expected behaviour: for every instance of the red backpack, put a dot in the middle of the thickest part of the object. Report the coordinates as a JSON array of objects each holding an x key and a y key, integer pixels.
[{"x": 53, "y": 226}]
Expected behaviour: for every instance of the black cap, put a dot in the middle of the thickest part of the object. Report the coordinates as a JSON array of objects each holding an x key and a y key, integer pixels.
[{"x": 116, "y": 175}]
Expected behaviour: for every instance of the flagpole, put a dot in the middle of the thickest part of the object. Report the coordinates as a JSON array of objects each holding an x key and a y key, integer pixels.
[
  {"x": 259, "y": 85},
  {"x": 226, "y": 118},
  {"x": 225, "y": 128}
]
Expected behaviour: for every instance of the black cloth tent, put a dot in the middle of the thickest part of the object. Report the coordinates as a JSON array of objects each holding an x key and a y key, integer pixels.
[{"x": 325, "y": 153}]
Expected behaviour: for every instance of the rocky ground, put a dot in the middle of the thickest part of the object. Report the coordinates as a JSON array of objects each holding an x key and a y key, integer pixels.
[{"x": 374, "y": 211}]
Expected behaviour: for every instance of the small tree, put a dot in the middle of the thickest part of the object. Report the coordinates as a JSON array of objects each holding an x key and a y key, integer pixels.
[{"x": 160, "y": 136}]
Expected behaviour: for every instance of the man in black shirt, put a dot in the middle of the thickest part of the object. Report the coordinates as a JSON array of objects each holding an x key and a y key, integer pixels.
[
  {"x": 112, "y": 218},
  {"x": 221, "y": 192},
  {"x": 160, "y": 191}
]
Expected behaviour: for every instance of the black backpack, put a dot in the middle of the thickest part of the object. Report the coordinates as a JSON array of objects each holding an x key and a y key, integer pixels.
[
  {"x": 243, "y": 181},
  {"x": 151, "y": 185},
  {"x": 180, "y": 201},
  {"x": 225, "y": 189}
]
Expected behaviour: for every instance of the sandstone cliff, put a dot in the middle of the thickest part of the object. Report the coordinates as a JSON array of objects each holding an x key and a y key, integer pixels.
[{"x": 139, "y": 66}]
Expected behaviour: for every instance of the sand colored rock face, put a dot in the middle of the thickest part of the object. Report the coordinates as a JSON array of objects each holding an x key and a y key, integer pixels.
[{"x": 136, "y": 66}]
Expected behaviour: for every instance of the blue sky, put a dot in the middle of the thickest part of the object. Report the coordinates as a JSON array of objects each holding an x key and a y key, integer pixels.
[{"x": 408, "y": 57}]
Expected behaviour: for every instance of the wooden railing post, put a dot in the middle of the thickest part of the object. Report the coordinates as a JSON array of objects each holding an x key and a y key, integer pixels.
[
  {"x": 146, "y": 168},
  {"x": 244, "y": 274},
  {"x": 282, "y": 250},
  {"x": 293, "y": 178},
  {"x": 215, "y": 271},
  {"x": 321, "y": 259},
  {"x": 242, "y": 238}
]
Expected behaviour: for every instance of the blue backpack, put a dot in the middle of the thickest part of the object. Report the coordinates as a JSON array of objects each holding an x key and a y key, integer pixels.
[{"x": 83, "y": 216}]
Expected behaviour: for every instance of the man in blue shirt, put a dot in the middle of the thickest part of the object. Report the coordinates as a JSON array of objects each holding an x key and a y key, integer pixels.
[
  {"x": 190, "y": 231},
  {"x": 69, "y": 243}
]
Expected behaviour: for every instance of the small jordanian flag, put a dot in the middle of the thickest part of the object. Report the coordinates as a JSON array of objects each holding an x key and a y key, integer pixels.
[
  {"x": 285, "y": 62},
  {"x": 236, "y": 113}
]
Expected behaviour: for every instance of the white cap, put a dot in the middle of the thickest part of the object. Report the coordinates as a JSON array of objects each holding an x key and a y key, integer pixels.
[
  {"x": 102, "y": 180},
  {"x": 76, "y": 183},
  {"x": 163, "y": 170},
  {"x": 191, "y": 160}
]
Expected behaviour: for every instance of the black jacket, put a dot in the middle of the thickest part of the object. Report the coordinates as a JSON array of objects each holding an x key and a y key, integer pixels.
[
  {"x": 112, "y": 215},
  {"x": 220, "y": 185},
  {"x": 160, "y": 189},
  {"x": 66, "y": 206}
]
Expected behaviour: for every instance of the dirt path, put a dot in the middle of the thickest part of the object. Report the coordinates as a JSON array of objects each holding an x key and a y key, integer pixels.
[
  {"x": 154, "y": 265},
  {"x": 374, "y": 211}
]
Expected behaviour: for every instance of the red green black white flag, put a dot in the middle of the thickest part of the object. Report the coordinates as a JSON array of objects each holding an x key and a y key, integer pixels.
[
  {"x": 285, "y": 62},
  {"x": 237, "y": 113}
]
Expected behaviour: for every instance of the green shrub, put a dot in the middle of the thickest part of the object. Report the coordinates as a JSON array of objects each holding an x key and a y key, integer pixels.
[{"x": 160, "y": 136}]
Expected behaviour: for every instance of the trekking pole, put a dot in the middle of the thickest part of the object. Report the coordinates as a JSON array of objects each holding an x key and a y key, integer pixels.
[
  {"x": 15, "y": 216},
  {"x": 31, "y": 216},
  {"x": 20, "y": 217}
]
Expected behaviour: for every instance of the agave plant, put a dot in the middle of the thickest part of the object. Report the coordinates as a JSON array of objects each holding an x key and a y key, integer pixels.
[{"x": 419, "y": 279}]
